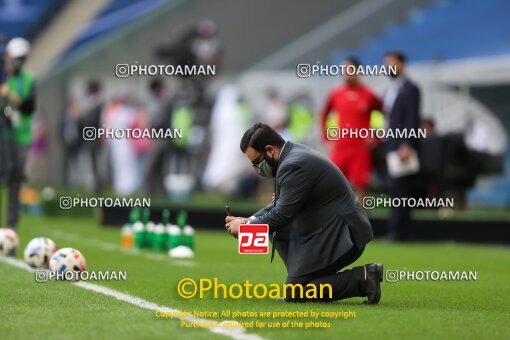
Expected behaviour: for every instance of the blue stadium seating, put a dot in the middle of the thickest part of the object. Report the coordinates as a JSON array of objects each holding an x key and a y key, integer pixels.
[
  {"x": 495, "y": 192},
  {"x": 449, "y": 29},
  {"x": 25, "y": 18},
  {"x": 117, "y": 14}
]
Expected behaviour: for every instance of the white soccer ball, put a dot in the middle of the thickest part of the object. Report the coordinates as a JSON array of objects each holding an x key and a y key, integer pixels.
[
  {"x": 39, "y": 251},
  {"x": 68, "y": 260},
  {"x": 8, "y": 242}
]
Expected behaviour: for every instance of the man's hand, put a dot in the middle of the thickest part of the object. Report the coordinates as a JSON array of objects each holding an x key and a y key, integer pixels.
[
  {"x": 232, "y": 224},
  {"x": 4, "y": 90},
  {"x": 404, "y": 151}
]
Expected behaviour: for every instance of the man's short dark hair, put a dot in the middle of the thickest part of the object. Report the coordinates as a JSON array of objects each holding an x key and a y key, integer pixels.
[
  {"x": 156, "y": 84},
  {"x": 260, "y": 135},
  {"x": 93, "y": 86},
  {"x": 353, "y": 60},
  {"x": 397, "y": 54}
]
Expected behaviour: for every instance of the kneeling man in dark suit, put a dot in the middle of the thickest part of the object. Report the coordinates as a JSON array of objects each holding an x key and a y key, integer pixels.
[{"x": 317, "y": 223}]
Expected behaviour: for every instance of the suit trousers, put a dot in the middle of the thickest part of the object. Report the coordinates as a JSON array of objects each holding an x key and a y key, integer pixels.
[
  {"x": 400, "y": 218},
  {"x": 345, "y": 284}
]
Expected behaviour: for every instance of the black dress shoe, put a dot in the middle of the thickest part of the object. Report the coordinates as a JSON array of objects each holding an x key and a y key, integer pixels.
[{"x": 373, "y": 283}]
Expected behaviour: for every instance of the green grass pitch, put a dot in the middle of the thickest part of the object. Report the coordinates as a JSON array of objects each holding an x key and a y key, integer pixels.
[{"x": 441, "y": 309}]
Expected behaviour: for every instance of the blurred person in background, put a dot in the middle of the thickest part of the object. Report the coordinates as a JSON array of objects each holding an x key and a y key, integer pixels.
[
  {"x": 198, "y": 45},
  {"x": 276, "y": 114},
  {"x": 225, "y": 171},
  {"x": 72, "y": 141},
  {"x": 476, "y": 152},
  {"x": 159, "y": 107},
  {"x": 142, "y": 146},
  {"x": 206, "y": 46},
  {"x": 276, "y": 110},
  {"x": 200, "y": 137},
  {"x": 353, "y": 104},
  {"x": 458, "y": 174},
  {"x": 90, "y": 117},
  {"x": 301, "y": 118},
  {"x": 401, "y": 108},
  {"x": 120, "y": 113},
  {"x": 249, "y": 181},
  {"x": 183, "y": 117},
  {"x": 486, "y": 139},
  {"x": 37, "y": 161},
  {"x": 207, "y": 50},
  {"x": 18, "y": 96}
]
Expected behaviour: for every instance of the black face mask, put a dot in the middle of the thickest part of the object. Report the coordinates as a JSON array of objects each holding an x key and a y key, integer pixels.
[
  {"x": 267, "y": 167},
  {"x": 16, "y": 65}
]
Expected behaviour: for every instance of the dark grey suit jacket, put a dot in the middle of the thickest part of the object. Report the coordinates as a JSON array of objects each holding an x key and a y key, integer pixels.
[{"x": 316, "y": 215}]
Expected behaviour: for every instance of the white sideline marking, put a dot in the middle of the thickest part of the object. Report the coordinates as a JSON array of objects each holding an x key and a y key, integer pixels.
[{"x": 234, "y": 333}]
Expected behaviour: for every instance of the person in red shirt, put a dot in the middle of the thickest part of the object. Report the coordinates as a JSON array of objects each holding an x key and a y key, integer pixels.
[{"x": 353, "y": 104}]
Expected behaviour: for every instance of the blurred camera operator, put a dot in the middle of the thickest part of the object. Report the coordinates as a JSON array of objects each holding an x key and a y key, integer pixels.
[{"x": 17, "y": 94}]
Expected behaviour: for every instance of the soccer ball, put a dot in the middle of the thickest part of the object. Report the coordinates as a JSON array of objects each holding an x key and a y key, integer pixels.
[
  {"x": 8, "y": 242},
  {"x": 67, "y": 260},
  {"x": 38, "y": 252}
]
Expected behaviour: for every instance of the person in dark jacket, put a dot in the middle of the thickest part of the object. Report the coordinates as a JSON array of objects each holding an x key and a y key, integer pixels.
[
  {"x": 401, "y": 108},
  {"x": 317, "y": 223}
]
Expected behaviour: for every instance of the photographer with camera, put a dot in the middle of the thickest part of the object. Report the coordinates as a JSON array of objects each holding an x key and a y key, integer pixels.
[{"x": 17, "y": 97}]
